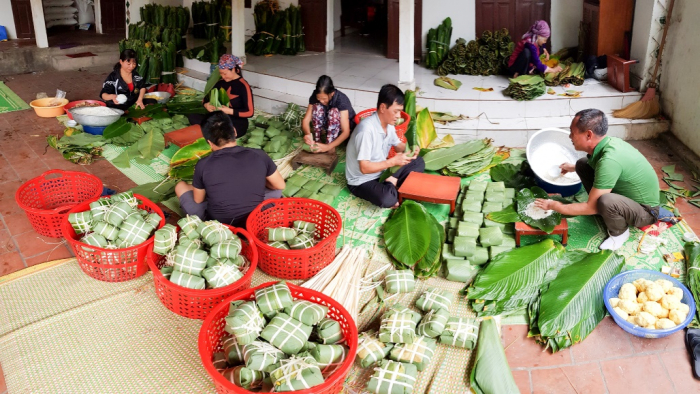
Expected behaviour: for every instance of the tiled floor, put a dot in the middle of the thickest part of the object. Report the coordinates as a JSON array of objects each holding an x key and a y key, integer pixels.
[
  {"x": 608, "y": 361},
  {"x": 65, "y": 37}
]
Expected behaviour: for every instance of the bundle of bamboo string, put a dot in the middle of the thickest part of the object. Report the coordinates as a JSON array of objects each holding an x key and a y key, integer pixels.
[{"x": 340, "y": 280}]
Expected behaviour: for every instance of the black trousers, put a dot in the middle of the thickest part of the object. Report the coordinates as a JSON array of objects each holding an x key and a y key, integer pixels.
[
  {"x": 617, "y": 211},
  {"x": 240, "y": 124},
  {"x": 385, "y": 194},
  {"x": 522, "y": 63}
]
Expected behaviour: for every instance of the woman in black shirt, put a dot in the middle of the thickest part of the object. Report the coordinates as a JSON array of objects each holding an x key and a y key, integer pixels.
[
  {"x": 241, "y": 96},
  {"x": 123, "y": 80},
  {"x": 329, "y": 117}
]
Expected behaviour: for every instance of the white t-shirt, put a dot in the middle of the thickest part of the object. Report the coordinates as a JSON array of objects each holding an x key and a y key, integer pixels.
[{"x": 368, "y": 142}]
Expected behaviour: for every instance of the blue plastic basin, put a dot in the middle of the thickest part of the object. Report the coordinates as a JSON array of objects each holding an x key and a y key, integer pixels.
[
  {"x": 95, "y": 130},
  {"x": 613, "y": 288}
]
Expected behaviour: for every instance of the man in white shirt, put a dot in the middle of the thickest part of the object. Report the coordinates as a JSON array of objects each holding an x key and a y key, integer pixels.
[{"x": 369, "y": 147}]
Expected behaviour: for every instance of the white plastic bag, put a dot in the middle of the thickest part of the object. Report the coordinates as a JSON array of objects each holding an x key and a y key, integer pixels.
[{"x": 86, "y": 12}]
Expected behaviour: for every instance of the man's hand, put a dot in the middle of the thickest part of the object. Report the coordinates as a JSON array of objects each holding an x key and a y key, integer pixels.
[
  {"x": 209, "y": 107},
  {"x": 401, "y": 159},
  {"x": 545, "y": 204},
  {"x": 416, "y": 151},
  {"x": 567, "y": 168}
]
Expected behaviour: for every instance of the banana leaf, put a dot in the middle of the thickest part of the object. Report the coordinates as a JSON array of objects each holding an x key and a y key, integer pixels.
[
  {"x": 528, "y": 196},
  {"x": 491, "y": 373},
  {"x": 447, "y": 83},
  {"x": 189, "y": 155},
  {"x": 133, "y": 112},
  {"x": 431, "y": 59},
  {"x": 157, "y": 191},
  {"x": 506, "y": 215},
  {"x": 150, "y": 145},
  {"x": 135, "y": 132},
  {"x": 407, "y": 233},
  {"x": 572, "y": 305},
  {"x": 430, "y": 263},
  {"x": 692, "y": 256},
  {"x": 410, "y": 109},
  {"x": 513, "y": 279},
  {"x": 116, "y": 129},
  {"x": 512, "y": 176},
  {"x": 425, "y": 128},
  {"x": 440, "y": 158}
]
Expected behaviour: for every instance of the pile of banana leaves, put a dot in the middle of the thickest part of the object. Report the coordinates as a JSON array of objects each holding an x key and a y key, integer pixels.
[
  {"x": 514, "y": 279},
  {"x": 526, "y": 87},
  {"x": 78, "y": 148},
  {"x": 438, "y": 44},
  {"x": 183, "y": 161},
  {"x": 487, "y": 55},
  {"x": 177, "y": 18},
  {"x": 573, "y": 73},
  {"x": 572, "y": 305},
  {"x": 692, "y": 257},
  {"x": 419, "y": 249},
  {"x": 199, "y": 19},
  {"x": 276, "y": 31},
  {"x": 209, "y": 52},
  {"x": 474, "y": 162}
]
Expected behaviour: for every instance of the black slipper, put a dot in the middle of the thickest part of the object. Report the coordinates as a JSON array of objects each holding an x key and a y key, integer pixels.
[{"x": 692, "y": 341}]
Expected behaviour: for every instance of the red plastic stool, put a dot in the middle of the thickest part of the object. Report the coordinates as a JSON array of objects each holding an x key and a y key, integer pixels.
[
  {"x": 523, "y": 229},
  {"x": 430, "y": 188}
]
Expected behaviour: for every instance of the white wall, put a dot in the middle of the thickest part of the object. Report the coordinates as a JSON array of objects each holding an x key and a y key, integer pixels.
[
  {"x": 679, "y": 82},
  {"x": 565, "y": 17},
  {"x": 6, "y": 19},
  {"x": 460, "y": 11}
]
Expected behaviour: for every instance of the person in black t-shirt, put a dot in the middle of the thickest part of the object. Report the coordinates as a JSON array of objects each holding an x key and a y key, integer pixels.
[
  {"x": 232, "y": 181},
  {"x": 241, "y": 106},
  {"x": 329, "y": 117}
]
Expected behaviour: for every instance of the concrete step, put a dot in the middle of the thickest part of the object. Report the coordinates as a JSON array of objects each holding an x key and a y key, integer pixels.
[
  {"x": 62, "y": 62},
  {"x": 492, "y": 122}
]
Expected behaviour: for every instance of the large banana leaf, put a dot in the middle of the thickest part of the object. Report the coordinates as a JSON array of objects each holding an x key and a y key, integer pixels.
[
  {"x": 150, "y": 145},
  {"x": 512, "y": 175},
  {"x": 410, "y": 109},
  {"x": 513, "y": 271},
  {"x": 431, "y": 262},
  {"x": 491, "y": 373},
  {"x": 572, "y": 305},
  {"x": 692, "y": 256},
  {"x": 407, "y": 233},
  {"x": 440, "y": 158},
  {"x": 425, "y": 128},
  {"x": 190, "y": 154},
  {"x": 506, "y": 215},
  {"x": 120, "y": 127},
  {"x": 527, "y": 196}
]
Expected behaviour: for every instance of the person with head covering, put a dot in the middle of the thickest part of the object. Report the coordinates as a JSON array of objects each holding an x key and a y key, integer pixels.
[
  {"x": 525, "y": 58},
  {"x": 329, "y": 117},
  {"x": 124, "y": 87},
  {"x": 232, "y": 181},
  {"x": 241, "y": 96}
]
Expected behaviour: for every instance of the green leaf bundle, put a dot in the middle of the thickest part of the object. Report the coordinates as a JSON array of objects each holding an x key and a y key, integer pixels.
[
  {"x": 441, "y": 158},
  {"x": 491, "y": 373},
  {"x": 528, "y": 196}
]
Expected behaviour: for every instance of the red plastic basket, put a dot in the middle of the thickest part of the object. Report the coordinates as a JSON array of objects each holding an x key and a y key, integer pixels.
[
  {"x": 47, "y": 198},
  {"x": 294, "y": 264},
  {"x": 196, "y": 304},
  {"x": 400, "y": 129},
  {"x": 212, "y": 332},
  {"x": 111, "y": 265}
]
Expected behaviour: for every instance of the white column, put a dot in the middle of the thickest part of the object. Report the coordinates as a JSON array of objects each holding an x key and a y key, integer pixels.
[
  {"x": 238, "y": 29},
  {"x": 406, "y": 27},
  {"x": 42, "y": 41},
  {"x": 98, "y": 19},
  {"x": 330, "y": 29}
]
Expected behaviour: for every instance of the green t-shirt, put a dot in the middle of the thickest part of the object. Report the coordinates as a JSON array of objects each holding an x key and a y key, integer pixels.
[{"x": 620, "y": 167}]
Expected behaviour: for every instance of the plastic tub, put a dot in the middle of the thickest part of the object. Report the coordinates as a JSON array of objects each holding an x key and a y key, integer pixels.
[
  {"x": 561, "y": 138},
  {"x": 43, "y": 110},
  {"x": 94, "y": 130},
  {"x": 612, "y": 288},
  {"x": 72, "y": 104}
]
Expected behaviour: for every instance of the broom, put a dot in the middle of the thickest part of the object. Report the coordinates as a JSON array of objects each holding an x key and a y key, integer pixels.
[{"x": 648, "y": 106}]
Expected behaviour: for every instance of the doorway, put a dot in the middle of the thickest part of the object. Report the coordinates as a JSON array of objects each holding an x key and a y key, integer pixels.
[
  {"x": 363, "y": 27},
  {"x": 515, "y": 15},
  {"x": 22, "y": 14}
]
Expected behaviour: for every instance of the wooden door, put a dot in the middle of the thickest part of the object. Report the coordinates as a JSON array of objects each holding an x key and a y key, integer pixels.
[
  {"x": 22, "y": 13},
  {"x": 392, "y": 36},
  {"x": 315, "y": 23},
  {"x": 113, "y": 16},
  {"x": 515, "y": 15}
]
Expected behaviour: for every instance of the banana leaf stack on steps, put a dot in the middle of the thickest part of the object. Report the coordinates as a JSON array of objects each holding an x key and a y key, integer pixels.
[
  {"x": 438, "y": 43},
  {"x": 526, "y": 87},
  {"x": 487, "y": 55},
  {"x": 199, "y": 19},
  {"x": 276, "y": 31}
]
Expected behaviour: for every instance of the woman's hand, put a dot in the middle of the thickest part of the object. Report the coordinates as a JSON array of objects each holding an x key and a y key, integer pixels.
[
  {"x": 139, "y": 104},
  {"x": 320, "y": 148},
  {"x": 226, "y": 110},
  {"x": 552, "y": 70},
  {"x": 308, "y": 139},
  {"x": 546, "y": 55},
  {"x": 209, "y": 107}
]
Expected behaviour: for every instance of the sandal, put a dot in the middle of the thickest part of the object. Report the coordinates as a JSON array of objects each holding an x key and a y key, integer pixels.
[{"x": 692, "y": 342}]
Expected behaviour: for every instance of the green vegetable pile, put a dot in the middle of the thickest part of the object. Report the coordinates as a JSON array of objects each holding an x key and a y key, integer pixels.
[
  {"x": 415, "y": 239},
  {"x": 273, "y": 136},
  {"x": 526, "y": 87},
  {"x": 486, "y": 56},
  {"x": 438, "y": 44},
  {"x": 276, "y": 31}
]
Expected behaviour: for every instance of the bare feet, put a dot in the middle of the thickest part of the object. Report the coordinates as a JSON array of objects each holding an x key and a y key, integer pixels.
[
  {"x": 391, "y": 180},
  {"x": 396, "y": 205}
]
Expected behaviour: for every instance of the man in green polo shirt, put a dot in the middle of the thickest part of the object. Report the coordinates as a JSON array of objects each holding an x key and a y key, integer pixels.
[{"x": 621, "y": 184}]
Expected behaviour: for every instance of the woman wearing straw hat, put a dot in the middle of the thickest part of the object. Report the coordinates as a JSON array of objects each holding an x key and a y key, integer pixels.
[
  {"x": 525, "y": 58},
  {"x": 240, "y": 107}
]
